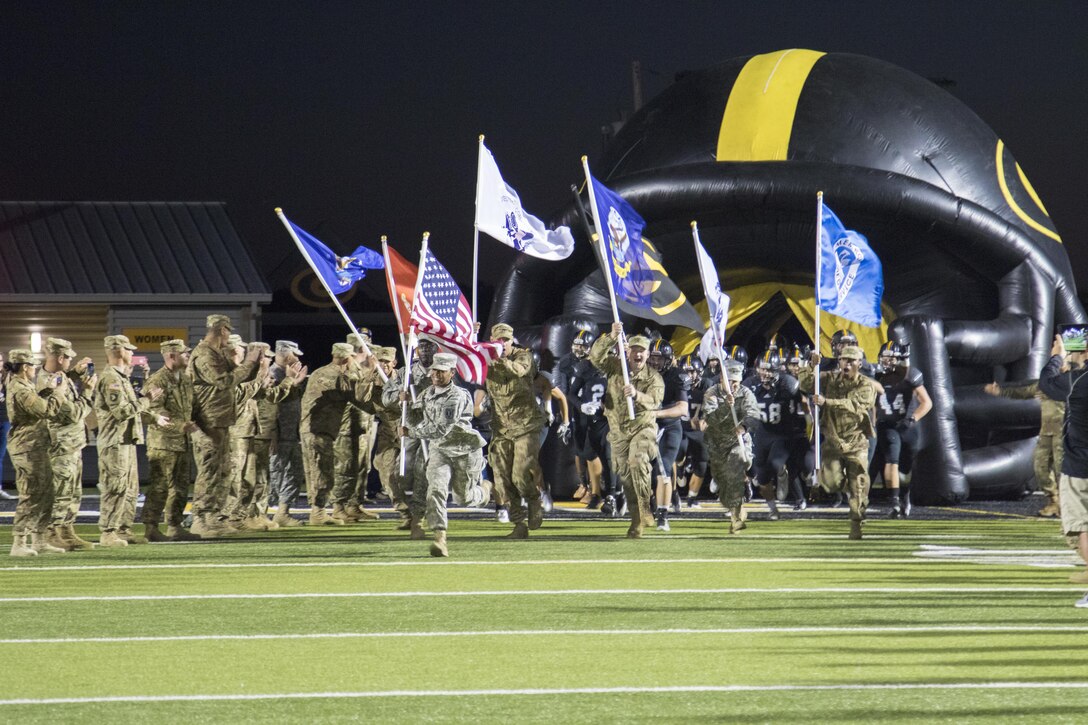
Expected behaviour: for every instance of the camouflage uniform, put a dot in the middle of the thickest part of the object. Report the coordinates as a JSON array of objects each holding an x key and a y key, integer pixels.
[
  {"x": 215, "y": 379},
  {"x": 729, "y": 461},
  {"x": 286, "y": 475},
  {"x": 67, "y": 439},
  {"x": 387, "y": 443},
  {"x": 168, "y": 448},
  {"x": 1047, "y": 459},
  {"x": 120, "y": 430},
  {"x": 328, "y": 392},
  {"x": 847, "y": 426},
  {"x": 443, "y": 418},
  {"x": 29, "y": 446},
  {"x": 633, "y": 442},
  {"x": 516, "y": 423},
  {"x": 281, "y": 391},
  {"x": 352, "y": 452},
  {"x": 243, "y": 462}
]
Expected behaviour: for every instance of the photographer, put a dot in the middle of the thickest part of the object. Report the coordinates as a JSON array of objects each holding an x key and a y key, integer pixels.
[{"x": 1063, "y": 378}]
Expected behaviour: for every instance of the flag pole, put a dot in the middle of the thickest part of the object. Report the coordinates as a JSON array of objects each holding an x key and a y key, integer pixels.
[
  {"x": 335, "y": 301},
  {"x": 476, "y": 238},
  {"x": 816, "y": 341},
  {"x": 598, "y": 238},
  {"x": 408, "y": 355}
]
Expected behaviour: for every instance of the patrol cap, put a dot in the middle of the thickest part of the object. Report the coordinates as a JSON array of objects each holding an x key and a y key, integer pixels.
[
  {"x": 342, "y": 349},
  {"x": 386, "y": 354},
  {"x": 851, "y": 352},
  {"x": 21, "y": 356},
  {"x": 116, "y": 342},
  {"x": 358, "y": 341},
  {"x": 502, "y": 331},
  {"x": 174, "y": 346},
  {"x": 443, "y": 361},
  {"x": 235, "y": 341},
  {"x": 219, "y": 321},
  {"x": 59, "y": 346},
  {"x": 639, "y": 341},
  {"x": 734, "y": 372},
  {"x": 266, "y": 350},
  {"x": 285, "y": 346}
]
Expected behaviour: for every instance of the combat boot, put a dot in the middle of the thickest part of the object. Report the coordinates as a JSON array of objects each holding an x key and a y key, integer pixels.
[
  {"x": 417, "y": 531},
  {"x": 1081, "y": 577},
  {"x": 131, "y": 538},
  {"x": 521, "y": 531},
  {"x": 358, "y": 513},
  {"x": 438, "y": 546},
  {"x": 255, "y": 523},
  {"x": 110, "y": 539},
  {"x": 340, "y": 515},
  {"x": 154, "y": 536},
  {"x": 284, "y": 518},
  {"x": 19, "y": 547},
  {"x": 634, "y": 531},
  {"x": 68, "y": 531},
  {"x": 1052, "y": 510},
  {"x": 736, "y": 525},
  {"x": 178, "y": 533},
  {"x": 405, "y": 524},
  {"x": 536, "y": 514},
  {"x": 40, "y": 544},
  {"x": 855, "y": 530},
  {"x": 320, "y": 517},
  {"x": 53, "y": 537},
  {"x": 269, "y": 524}
]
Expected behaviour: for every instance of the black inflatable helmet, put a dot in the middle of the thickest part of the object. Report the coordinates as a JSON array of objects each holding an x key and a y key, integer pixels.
[
  {"x": 737, "y": 354},
  {"x": 975, "y": 273}
]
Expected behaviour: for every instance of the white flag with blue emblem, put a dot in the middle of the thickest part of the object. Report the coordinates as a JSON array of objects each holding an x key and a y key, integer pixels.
[{"x": 499, "y": 214}]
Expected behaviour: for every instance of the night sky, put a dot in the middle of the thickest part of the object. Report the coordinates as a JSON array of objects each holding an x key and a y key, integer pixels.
[{"x": 361, "y": 118}]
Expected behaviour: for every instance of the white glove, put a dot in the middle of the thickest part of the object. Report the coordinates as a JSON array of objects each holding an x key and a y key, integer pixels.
[
  {"x": 591, "y": 408},
  {"x": 563, "y": 431}
]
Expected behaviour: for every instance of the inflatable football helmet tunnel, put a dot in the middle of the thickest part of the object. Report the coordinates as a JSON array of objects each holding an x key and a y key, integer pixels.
[{"x": 975, "y": 274}]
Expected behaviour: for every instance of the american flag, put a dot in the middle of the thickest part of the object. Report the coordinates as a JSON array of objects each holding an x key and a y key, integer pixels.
[{"x": 442, "y": 313}]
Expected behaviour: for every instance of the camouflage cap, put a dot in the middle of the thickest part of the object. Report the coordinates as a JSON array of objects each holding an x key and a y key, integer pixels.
[
  {"x": 21, "y": 356},
  {"x": 219, "y": 321},
  {"x": 342, "y": 349},
  {"x": 174, "y": 346},
  {"x": 59, "y": 346},
  {"x": 358, "y": 341},
  {"x": 386, "y": 354},
  {"x": 116, "y": 342},
  {"x": 285, "y": 346},
  {"x": 264, "y": 347},
  {"x": 851, "y": 352},
  {"x": 502, "y": 331},
  {"x": 734, "y": 372},
  {"x": 639, "y": 341},
  {"x": 235, "y": 341},
  {"x": 443, "y": 361}
]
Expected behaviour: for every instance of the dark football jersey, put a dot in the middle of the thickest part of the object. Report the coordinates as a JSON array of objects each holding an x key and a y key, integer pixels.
[
  {"x": 676, "y": 390},
  {"x": 780, "y": 406},
  {"x": 587, "y": 386},
  {"x": 897, "y": 400},
  {"x": 695, "y": 404}
]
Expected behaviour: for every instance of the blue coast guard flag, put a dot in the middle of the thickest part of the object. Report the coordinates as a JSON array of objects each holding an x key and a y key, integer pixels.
[
  {"x": 621, "y": 239},
  {"x": 851, "y": 276},
  {"x": 339, "y": 273}
]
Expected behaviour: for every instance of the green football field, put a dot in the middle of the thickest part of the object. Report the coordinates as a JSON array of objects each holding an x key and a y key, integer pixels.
[{"x": 938, "y": 620}]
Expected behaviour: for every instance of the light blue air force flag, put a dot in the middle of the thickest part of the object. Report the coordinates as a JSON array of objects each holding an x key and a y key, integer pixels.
[
  {"x": 621, "y": 239},
  {"x": 851, "y": 276},
  {"x": 339, "y": 273}
]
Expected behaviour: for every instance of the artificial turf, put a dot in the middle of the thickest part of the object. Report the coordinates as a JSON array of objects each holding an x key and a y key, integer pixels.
[{"x": 360, "y": 624}]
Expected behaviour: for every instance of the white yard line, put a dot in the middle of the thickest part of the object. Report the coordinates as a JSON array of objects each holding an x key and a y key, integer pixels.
[
  {"x": 210, "y": 697},
  {"x": 921, "y": 629},
  {"x": 551, "y": 593}
]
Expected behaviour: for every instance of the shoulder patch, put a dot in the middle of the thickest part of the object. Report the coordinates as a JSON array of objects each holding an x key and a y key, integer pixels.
[{"x": 115, "y": 386}]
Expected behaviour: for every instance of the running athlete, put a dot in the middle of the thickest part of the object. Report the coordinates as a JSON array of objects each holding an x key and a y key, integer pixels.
[
  {"x": 674, "y": 406},
  {"x": 692, "y": 446},
  {"x": 779, "y": 441},
  {"x": 587, "y": 389},
  {"x": 901, "y": 404}
]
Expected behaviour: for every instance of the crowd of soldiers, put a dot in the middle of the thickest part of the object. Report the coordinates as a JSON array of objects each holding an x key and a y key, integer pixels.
[{"x": 642, "y": 426}]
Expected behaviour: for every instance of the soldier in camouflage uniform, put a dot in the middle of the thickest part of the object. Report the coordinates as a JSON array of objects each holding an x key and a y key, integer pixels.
[
  {"x": 415, "y": 462},
  {"x": 28, "y": 447},
  {"x": 846, "y": 399},
  {"x": 442, "y": 416},
  {"x": 330, "y": 390},
  {"x": 516, "y": 423},
  {"x": 120, "y": 430},
  {"x": 387, "y": 444},
  {"x": 286, "y": 476},
  {"x": 215, "y": 379},
  {"x": 67, "y": 438},
  {"x": 633, "y": 442},
  {"x": 1047, "y": 458},
  {"x": 728, "y": 416},
  {"x": 352, "y": 449},
  {"x": 168, "y": 446}
]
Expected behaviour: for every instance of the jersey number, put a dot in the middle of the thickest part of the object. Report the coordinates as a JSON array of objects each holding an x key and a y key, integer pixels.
[
  {"x": 896, "y": 406},
  {"x": 770, "y": 413}
]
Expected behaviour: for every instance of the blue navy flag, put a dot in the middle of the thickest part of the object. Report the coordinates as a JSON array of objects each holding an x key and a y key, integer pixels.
[
  {"x": 851, "y": 276},
  {"x": 339, "y": 273},
  {"x": 621, "y": 238}
]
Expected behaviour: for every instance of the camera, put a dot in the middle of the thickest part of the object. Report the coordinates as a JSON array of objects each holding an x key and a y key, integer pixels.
[
  {"x": 1074, "y": 337},
  {"x": 90, "y": 370}
]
